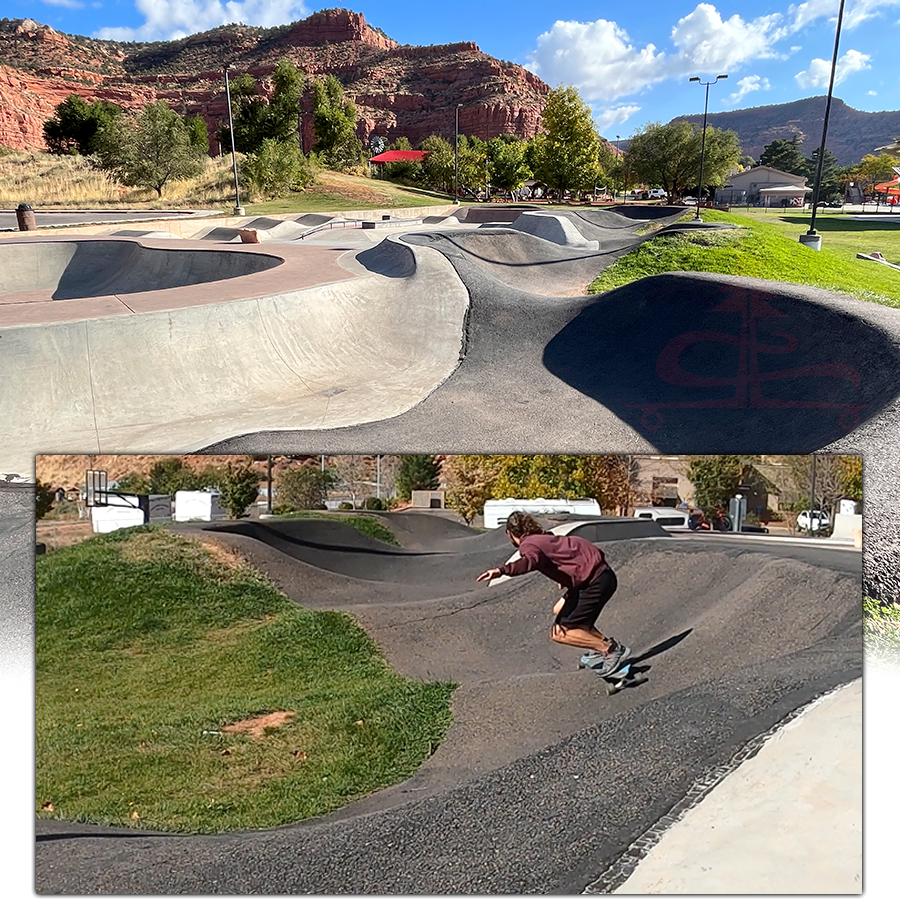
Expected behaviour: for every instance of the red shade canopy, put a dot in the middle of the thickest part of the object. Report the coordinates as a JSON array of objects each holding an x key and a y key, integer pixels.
[{"x": 387, "y": 157}]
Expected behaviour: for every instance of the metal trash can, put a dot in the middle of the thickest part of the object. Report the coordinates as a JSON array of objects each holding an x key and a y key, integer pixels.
[{"x": 25, "y": 217}]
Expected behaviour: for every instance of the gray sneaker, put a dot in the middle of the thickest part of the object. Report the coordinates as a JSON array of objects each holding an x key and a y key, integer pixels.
[{"x": 610, "y": 662}]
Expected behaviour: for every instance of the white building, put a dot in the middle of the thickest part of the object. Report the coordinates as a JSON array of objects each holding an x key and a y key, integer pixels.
[{"x": 763, "y": 186}]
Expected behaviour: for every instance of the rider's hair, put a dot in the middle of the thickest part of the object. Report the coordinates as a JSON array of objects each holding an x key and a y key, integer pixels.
[{"x": 521, "y": 524}]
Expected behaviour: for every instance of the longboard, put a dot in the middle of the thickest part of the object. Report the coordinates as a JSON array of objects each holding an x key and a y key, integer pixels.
[{"x": 624, "y": 677}]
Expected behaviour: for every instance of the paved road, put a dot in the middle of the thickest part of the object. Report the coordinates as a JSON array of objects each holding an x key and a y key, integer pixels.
[{"x": 50, "y": 217}]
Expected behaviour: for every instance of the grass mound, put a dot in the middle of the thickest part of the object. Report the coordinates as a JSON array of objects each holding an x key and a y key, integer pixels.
[
  {"x": 177, "y": 690},
  {"x": 368, "y": 525},
  {"x": 760, "y": 249}
]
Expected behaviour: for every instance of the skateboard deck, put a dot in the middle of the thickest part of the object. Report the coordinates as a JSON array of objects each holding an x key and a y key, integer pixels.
[{"x": 624, "y": 677}]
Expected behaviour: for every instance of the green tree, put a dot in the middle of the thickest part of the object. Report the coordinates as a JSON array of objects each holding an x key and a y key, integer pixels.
[
  {"x": 254, "y": 119},
  {"x": 416, "y": 471},
  {"x": 238, "y": 489},
  {"x": 304, "y": 488},
  {"x": 851, "y": 477},
  {"x": 875, "y": 169},
  {"x": 508, "y": 167},
  {"x": 437, "y": 168},
  {"x": 44, "y": 499},
  {"x": 133, "y": 483},
  {"x": 830, "y": 187},
  {"x": 785, "y": 154},
  {"x": 334, "y": 119},
  {"x": 566, "y": 153},
  {"x": 170, "y": 475},
  {"x": 198, "y": 133},
  {"x": 474, "y": 167},
  {"x": 669, "y": 156},
  {"x": 277, "y": 168},
  {"x": 151, "y": 150},
  {"x": 76, "y": 125},
  {"x": 469, "y": 480},
  {"x": 715, "y": 479}
]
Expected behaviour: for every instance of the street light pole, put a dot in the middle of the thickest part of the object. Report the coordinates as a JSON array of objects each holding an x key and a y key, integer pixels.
[
  {"x": 616, "y": 177},
  {"x": 703, "y": 140},
  {"x": 456, "y": 158},
  {"x": 238, "y": 210},
  {"x": 811, "y": 238}
]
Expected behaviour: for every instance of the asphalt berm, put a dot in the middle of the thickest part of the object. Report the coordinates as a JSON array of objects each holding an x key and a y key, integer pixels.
[{"x": 543, "y": 782}]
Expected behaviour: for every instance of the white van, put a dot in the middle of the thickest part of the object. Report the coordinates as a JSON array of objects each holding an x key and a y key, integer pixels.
[
  {"x": 670, "y": 517},
  {"x": 657, "y": 193}
]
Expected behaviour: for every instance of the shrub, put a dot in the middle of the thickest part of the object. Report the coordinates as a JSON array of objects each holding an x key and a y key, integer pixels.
[
  {"x": 373, "y": 503},
  {"x": 276, "y": 169}
]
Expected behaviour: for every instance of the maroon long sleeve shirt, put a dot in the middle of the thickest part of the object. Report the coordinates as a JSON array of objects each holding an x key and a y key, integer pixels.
[{"x": 569, "y": 560}]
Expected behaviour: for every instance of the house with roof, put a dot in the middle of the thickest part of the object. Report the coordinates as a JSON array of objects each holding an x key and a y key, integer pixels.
[{"x": 765, "y": 186}]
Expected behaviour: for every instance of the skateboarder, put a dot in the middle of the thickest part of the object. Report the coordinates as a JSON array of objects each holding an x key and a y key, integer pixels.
[{"x": 583, "y": 574}]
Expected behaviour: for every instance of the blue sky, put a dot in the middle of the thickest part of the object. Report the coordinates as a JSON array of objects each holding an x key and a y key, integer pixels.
[{"x": 630, "y": 62}]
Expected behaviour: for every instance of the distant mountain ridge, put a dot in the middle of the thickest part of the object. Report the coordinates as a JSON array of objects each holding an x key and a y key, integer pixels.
[
  {"x": 398, "y": 89},
  {"x": 851, "y": 133}
]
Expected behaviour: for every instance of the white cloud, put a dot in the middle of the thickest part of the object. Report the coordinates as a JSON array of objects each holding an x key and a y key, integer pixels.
[
  {"x": 712, "y": 44},
  {"x": 597, "y": 57},
  {"x": 68, "y": 4},
  {"x": 170, "y": 19},
  {"x": 819, "y": 72},
  {"x": 745, "y": 86},
  {"x": 613, "y": 116},
  {"x": 600, "y": 59},
  {"x": 872, "y": 94},
  {"x": 855, "y": 12}
]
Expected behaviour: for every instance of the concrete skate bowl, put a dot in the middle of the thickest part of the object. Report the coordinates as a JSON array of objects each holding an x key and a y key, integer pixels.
[
  {"x": 112, "y": 267},
  {"x": 732, "y": 637},
  {"x": 320, "y": 355},
  {"x": 731, "y": 364}
]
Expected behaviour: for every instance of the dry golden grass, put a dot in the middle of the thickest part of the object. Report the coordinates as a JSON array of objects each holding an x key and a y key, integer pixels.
[{"x": 44, "y": 180}]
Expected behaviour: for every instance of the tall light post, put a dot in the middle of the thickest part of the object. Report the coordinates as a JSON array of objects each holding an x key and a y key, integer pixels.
[
  {"x": 456, "y": 159},
  {"x": 812, "y": 239},
  {"x": 616, "y": 177},
  {"x": 238, "y": 210},
  {"x": 703, "y": 140}
]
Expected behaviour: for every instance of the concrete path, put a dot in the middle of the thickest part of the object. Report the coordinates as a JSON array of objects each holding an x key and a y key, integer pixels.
[{"x": 753, "y": 832}]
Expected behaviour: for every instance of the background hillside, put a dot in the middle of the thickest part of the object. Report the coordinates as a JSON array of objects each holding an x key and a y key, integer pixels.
[{"x": 851, "y": 133}]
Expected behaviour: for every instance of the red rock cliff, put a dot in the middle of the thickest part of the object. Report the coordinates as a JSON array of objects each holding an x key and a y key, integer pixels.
[{"x": 398, "y": 90}]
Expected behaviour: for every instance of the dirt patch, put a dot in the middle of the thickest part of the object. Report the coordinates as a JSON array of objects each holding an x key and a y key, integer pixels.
[{"x": 256, "y": 727}]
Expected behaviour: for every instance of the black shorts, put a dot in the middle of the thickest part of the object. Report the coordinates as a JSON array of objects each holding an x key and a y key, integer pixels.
[{"x": 583, "y": 606}]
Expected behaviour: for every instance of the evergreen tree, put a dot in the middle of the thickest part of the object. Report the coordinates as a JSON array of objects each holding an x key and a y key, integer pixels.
[
  {"x": 785, "y": 154},
  {"x": 238, "y": 489},
  {"x": 44, "y": 499},
  {"x": 76, "y": 125},
  {"x": 417, "y": 471},
  {"x": 830, "y": 187}
]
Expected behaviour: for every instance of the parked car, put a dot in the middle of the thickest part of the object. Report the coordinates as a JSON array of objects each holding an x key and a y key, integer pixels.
[
  {"x": 815, "y": 519},
  {"x": 657, "y": 193}
]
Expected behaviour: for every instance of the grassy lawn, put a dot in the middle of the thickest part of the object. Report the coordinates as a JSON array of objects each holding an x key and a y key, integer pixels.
[
  {"x": 881, "y": 625},
  {"x": 150, "y": 646},
  {"x": 769, "y": 248},
  {"x": 345, "y": 192}
]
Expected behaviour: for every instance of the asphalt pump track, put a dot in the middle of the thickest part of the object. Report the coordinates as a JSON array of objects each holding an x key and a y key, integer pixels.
[{"x": 543, "y": 782}]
